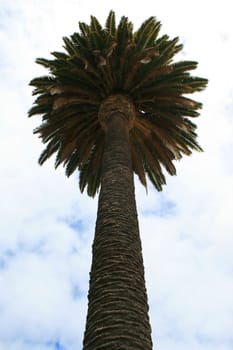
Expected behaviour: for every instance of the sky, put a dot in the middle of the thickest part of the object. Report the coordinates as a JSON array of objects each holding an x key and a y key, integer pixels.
[{"x": 47, "y": 226}]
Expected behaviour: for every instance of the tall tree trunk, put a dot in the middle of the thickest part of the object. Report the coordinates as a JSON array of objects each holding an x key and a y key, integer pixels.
[{"x": 118, "y": 309}]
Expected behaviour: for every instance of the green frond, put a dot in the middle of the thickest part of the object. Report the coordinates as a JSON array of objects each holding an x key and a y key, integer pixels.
[
  {"x": 89, "y": 176},
  {"x": 163, "y": 39},
  {"x": 39, "y": 109},
  {"x": 183, "y": 66},
  {"x": 84, "y": 29},
  {"x": 65, "y": 151},
  {"x": 72, "y": 163},
  {"x": 124, "y": 34},
  {"x": 69, "y": 46},
  {"x": 60, "y": 55},
  {"x": 44, "y": 98},
  {"x": 146, "y": 76},
  {"x": 151, "y": 162},
  {"x": 95, "y": 25},
  {"x": 43, "y": 157},
  {"x": 81, "y": 42},
  {"x": 52, "y": 147},
  {"x": 147, "y": 34},
  {"x": 158, "y": 183},
  {"x": 111, "y": 24},
  {"x": 44, "y": 62},
  {"x": 96, "y": 41},
  {"x": 43, "y": 82},
  {"x": 94, "y": 183},
  {"x": 156, "y": 177},
  {"x": 168, "y": 49},
  {"x": 196, "y": 83}
]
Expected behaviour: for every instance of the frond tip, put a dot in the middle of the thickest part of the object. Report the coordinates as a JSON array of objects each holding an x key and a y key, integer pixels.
[{"x": 101, "y": 61}]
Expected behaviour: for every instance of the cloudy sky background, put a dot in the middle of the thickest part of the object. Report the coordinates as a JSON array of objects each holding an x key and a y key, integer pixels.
[{"x": 46, "y": 225}]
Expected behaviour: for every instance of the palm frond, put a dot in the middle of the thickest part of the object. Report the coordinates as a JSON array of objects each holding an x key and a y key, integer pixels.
[
  {"x": 146, "y": 35},
  {"x": 111, "y": 24}
]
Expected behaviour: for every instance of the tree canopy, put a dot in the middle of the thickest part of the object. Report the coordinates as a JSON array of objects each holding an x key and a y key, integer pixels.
[{"x": 102, "y": 61}]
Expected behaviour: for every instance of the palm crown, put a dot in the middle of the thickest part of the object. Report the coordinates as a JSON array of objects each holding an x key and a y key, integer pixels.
[{"x": 100, "y": 62}]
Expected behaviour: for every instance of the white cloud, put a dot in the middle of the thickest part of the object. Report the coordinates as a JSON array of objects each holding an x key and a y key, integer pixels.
[{"x": 46, "y": 226}]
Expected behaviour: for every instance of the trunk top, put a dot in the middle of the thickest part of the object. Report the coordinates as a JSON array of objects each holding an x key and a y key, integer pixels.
[{"x": 120, "y": 104}]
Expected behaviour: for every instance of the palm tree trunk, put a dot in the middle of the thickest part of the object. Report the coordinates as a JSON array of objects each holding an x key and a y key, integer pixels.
[{"x": 117, "y": 309}]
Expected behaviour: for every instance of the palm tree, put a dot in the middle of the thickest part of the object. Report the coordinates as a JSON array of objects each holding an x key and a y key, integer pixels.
[{"x": 114, "y": 104}]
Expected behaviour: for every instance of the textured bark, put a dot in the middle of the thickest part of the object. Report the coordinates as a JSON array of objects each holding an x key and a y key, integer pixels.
[{"x": 117, "y": 309}]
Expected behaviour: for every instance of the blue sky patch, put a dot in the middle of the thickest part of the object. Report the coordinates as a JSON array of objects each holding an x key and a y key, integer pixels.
[{"x": 56, "y": 345}]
